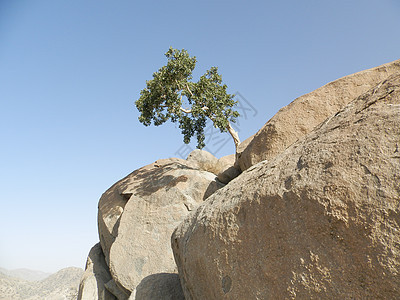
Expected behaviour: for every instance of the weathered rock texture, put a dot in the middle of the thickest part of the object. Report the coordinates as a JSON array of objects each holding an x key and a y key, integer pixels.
[
  {"x": 92, "y": 285},
  {"x": 319, "y": 221},
  {"x": 302, "y": 115},
  {"x": 137, "y": 216}
]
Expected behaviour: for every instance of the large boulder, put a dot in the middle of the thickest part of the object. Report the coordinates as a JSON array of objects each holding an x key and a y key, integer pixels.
[
  {"x": 137, "y": 216},
  {"x": 92, "y": 285},
  {"x": 319, "y": 221},
  {"x": 203, "y": 160},
  {"x": 302, "y": 115}
]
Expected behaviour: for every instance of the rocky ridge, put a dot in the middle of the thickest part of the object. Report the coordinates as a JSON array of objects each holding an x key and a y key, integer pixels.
[
  {"x": 25, "y": 274},
  {"x": 315, "y": 214}
]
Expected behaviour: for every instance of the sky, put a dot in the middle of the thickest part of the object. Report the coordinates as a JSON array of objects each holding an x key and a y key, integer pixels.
[{"x": 70, "y": 72}]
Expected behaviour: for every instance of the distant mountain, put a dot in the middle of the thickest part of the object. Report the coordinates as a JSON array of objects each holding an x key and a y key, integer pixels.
[
  {"x": 62, "y": 285},
  {"x": 25, "y": 274}
]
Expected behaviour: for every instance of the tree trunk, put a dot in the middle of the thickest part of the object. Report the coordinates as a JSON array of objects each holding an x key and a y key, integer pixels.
[{"x": 234, "y": 135}]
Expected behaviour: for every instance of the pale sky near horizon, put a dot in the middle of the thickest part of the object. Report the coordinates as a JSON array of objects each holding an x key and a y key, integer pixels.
[{"x": 70, "y": 72}]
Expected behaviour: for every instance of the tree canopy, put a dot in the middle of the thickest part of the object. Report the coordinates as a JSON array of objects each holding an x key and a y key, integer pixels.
[{"x": 171, "y": 95}]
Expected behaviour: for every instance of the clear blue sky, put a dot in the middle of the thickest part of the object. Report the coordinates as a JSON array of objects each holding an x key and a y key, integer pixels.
[{"x": 70, "y": 72}]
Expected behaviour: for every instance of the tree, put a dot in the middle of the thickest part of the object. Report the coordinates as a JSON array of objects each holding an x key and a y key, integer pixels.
[{"x": 171, "y": 95}]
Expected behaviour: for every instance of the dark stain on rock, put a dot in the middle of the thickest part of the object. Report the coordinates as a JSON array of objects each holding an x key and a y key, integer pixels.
[
  {"x": 301, "y": 164},
  {"x": 174, "y": 182},
  {"x": 366, "y": 170},
  {"x": 226, "y": 284},
  {"x": 288, "y": 182},
  {"x": 375, "y": 178}
]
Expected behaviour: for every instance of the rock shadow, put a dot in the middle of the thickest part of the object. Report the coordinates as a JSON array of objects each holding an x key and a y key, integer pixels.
[
  {"x": 155, "y": 179},
  {"x": 160, "y": 286}
]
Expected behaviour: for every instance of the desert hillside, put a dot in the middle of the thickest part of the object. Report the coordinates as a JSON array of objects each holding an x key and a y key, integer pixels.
[{"x": 62, "y": 285}]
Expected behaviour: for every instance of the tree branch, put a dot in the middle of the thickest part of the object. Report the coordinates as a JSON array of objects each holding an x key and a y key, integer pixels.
[
  {"x": 186, "y": 111},
  {"x": 187, "y": 86}
]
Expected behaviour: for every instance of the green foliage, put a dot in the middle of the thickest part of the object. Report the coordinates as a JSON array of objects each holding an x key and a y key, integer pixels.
[{"x": 171, "y": 89}]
